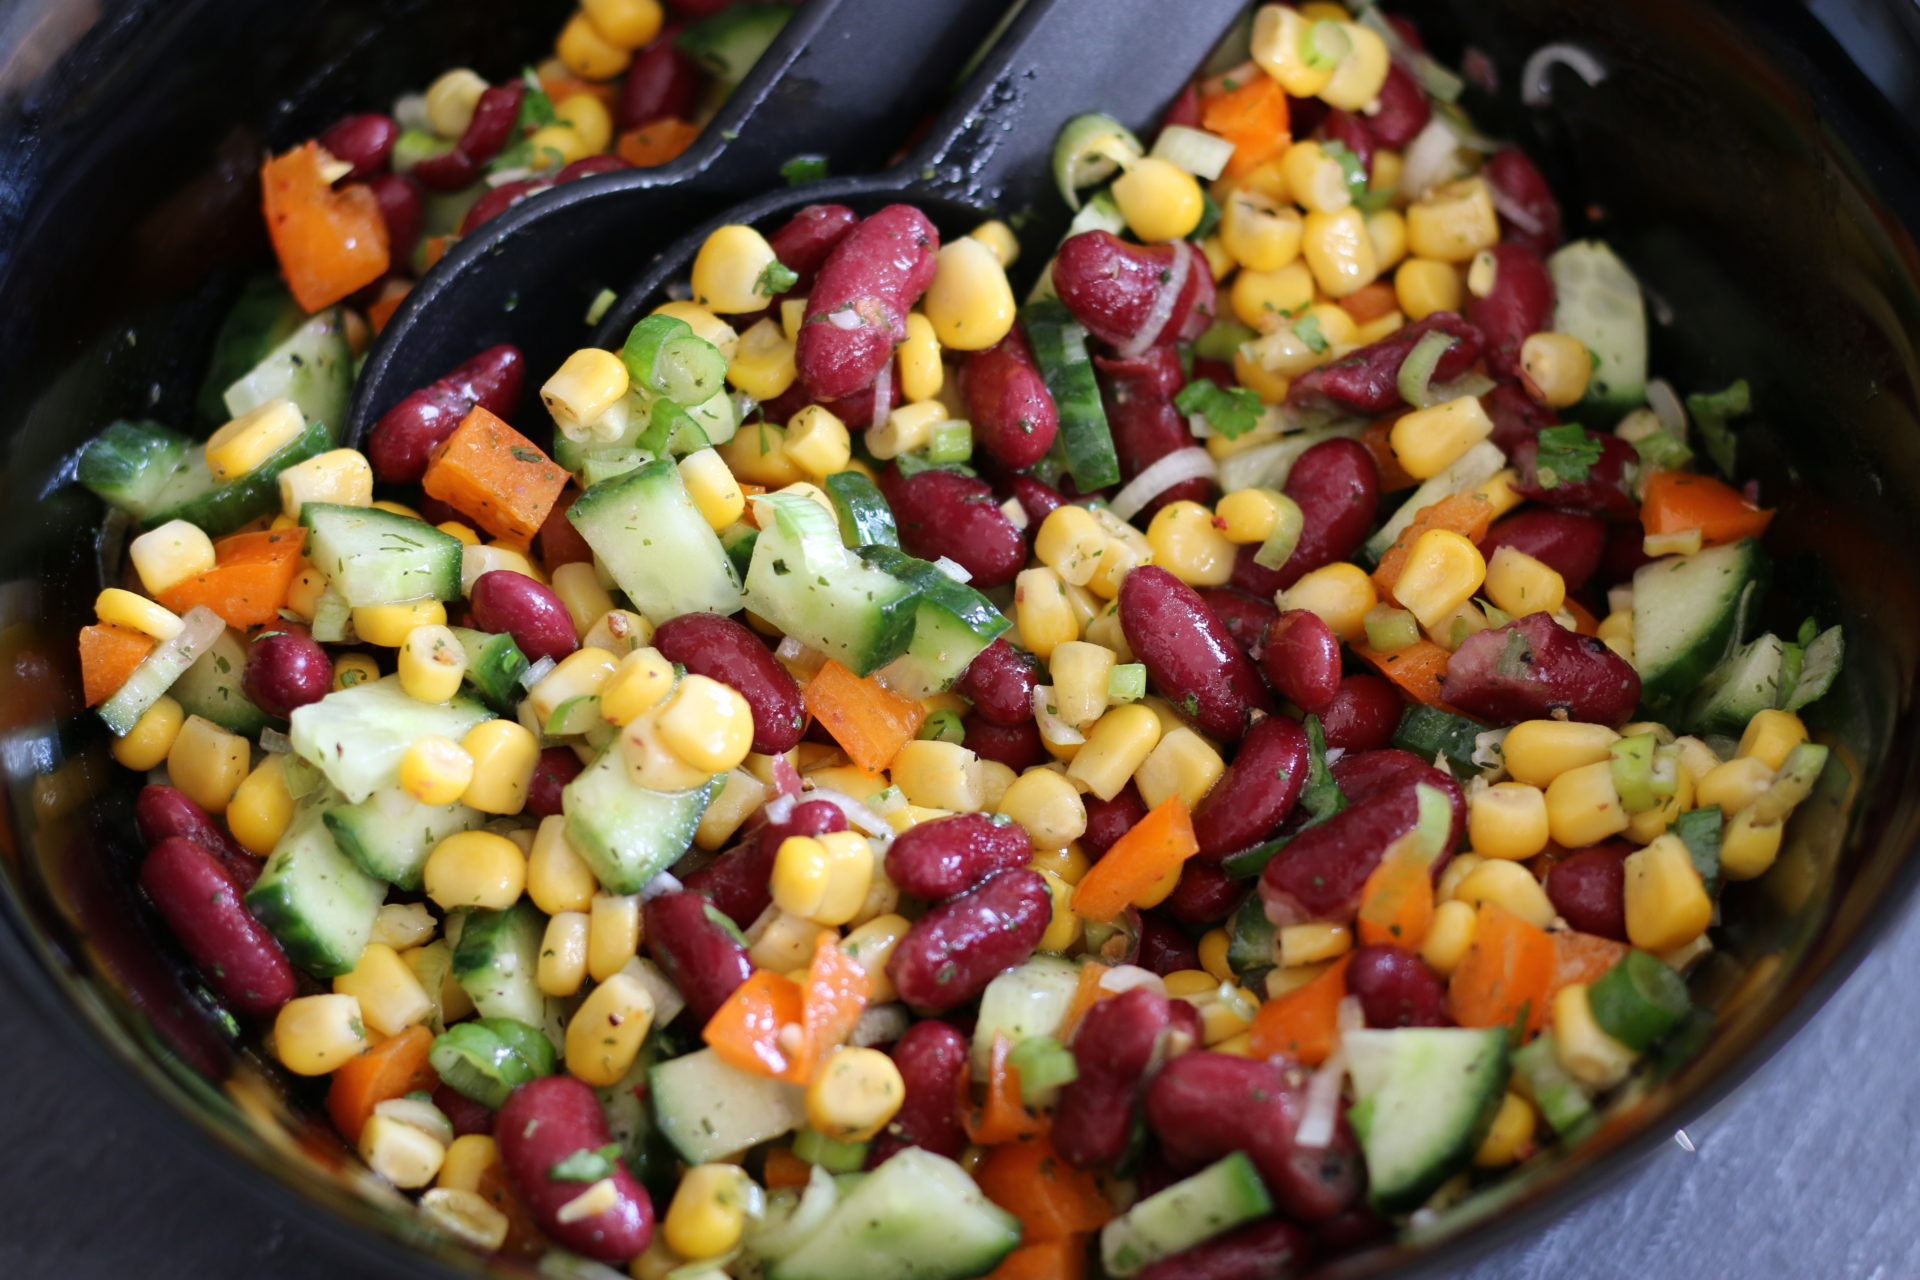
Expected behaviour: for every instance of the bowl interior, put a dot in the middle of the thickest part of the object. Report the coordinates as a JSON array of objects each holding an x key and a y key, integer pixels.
[{"x": 1729, "y": 153}]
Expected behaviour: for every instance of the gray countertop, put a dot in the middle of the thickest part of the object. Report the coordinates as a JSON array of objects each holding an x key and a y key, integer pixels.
[{"x": 1793, "y": 1176}]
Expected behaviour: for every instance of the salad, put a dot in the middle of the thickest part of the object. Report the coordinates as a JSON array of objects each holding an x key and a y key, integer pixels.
[{"x": 1193, "y": 773}]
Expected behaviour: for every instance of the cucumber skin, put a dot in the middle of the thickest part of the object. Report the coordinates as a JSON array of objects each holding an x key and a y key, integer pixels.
[{"x": 1686, "y": 669}]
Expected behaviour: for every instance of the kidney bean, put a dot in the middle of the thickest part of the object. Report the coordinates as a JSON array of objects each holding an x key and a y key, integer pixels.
[
  {"x": 502, "y": 600},
  {"x": 402, "y": 208},
  {"x": 1013, "y": 414},
  {"x": 1626, "y": 551},
  {"x": 1351, "y": 132},
  {"x": 724, "y": 650},
  {"x": 956, "y": 949},
  {"x": 1184, "y": 109},
  {"x": 1000, "y": 683},
  {"x": 399, "y": 444},
  {"x": 364, "y": 141},
  {"x": 1304, "y": 115},
  {"x": 1337, "y": 487},
  {"x": 1367, "y": 381},
  {"x": 1603, "y": 491},
  {"x": 1016, "y": 746},
  {"x": 161, "y": 812},
  {"x": 1206, "y": 1105},
  {"x": 202, "y": 905},
  {"x": 1589, "y": 888},
  {"x": 588, "y": 167},
  {"x": 1520, "y": 185},
  {"x": 1113, "y": 1048},
  {"x": 497, "y": 201},
  {"x": 805, "y": 240},
  {"x": 700, "y": 8},
  {"x": 285, "y": 670},
  {"x": 1189, "y": 654},
  {"x": 1205, "y": 895},
  {"x": 1519, "y": 305},
  {"x": 738, "y": 881},
  {"x": 1516, "y": 415},
  {"x": 932, "y": 1058},
  {"x": 1301, "y": 658},
  {"x": 1108, "y": 820},
  {"x": 1567, "y": 542},
  {"x": 943, "y": 513},
  {"x": 485, "y": 137},
  {"x": 1533, "y": 667},
  {"x": 1319, "y": 874},
  {"x": 1252, "y": 578},
  {"x": 1270, "y": 1250},
  {"x": 863, "y": 408},
  {"x": 948, "y": 856},
  {"x": 1111, "y": 286},
  {"x": 1138, "y": 395},
  {"x": 544, "y": 1122},
  {"x": 558, "y": 541},
  {"x": 663, "y": 81},
  {"x": 875, "y": 273},
  {"x": 466, "y": 1115},
  {"x": 1352, "y": 1229},
  {"x": 1396, "y": 988},
  {"x": 1256, "y": 793},
  {"x": 556, "y": 767},
  {"x": 1404, "y": 109},
  {"x": 1036, "y": 498},
  {"x": 700, "y": 956},
  {"x": 1363, "y": 715},
  {"x": 1184, "y": 1029},
  {"x": 1163, "y": 947},
  {"x": 1361, "y": 774},
  {"x": 1247, "y": 617}
]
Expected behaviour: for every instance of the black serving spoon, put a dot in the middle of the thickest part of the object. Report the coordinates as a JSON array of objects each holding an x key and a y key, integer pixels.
[
  {"x": 989, "y": 154},
  {"x": 846, "y": 81}
]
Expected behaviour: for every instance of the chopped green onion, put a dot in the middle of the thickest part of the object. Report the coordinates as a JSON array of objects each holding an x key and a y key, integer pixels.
[
  {"x": 664, "y": 356},
  {"x": 1288, "y": 524},
  {"x": 1088, "y": 151},
  {"x": 1633, "y": 772},
  {"x": 943, "y": 726},
  {"x": 1710, "y": 412},
  {"x": 950, "y": 441},
  {"x": 803, "y": 169},
  {"x": 1202, "y": 154},
  {"x": 829, "y": 1153},
  {"x": 1390, "y": 630},
  {"x": 1661, "y": 450},
  {"x": 1324, "y": 44},
  {"x": 1664, "y": 777},
  {"x": 1416, "y": 371},
  {"x": 1562, "y": 1100},
  {"x": 1127, "y": 682},
  {"x": 1222, "y": 340},
  {"x": 1434, "y": 824},
  {"x": 1044, "y": 1065},
  {"x": 602, "y": 302},
  {"x": 1639, "y": 1000}
]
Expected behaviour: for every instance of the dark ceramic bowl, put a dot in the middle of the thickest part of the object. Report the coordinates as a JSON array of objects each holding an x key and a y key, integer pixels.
[{"x": 1764, "y": 193}]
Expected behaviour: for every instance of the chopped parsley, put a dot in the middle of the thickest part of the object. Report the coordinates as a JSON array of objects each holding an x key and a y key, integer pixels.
[
  {"x": 777, "y": 278},
  {"x": 1567, "y": 454},
  {"x": 586, "y": 1166},
  {"x": 1229, "y": 411},
  {"x": 1307, "y": 329},
  {"x": 1321, "y": 797}
]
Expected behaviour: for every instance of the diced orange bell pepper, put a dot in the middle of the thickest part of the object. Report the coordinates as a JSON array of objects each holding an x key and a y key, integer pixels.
[
  {"x": 870, "y": 721},
  {"x": 1138, "y": 860},
  {"x": 1677, "y": 501},
  {"x": 108, "y": 655},
  {"x": 330, "y": 243},
  {"x": 248, "y": 585},
  {"x": 1305, "y": 1022},
  {"x": 1506, "y": 975},
  {"x": 495, "y": 476},
  {"x": 1052, "y": 1199}
]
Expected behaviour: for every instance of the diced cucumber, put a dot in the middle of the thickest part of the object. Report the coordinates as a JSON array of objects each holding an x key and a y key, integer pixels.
[
  {"x": 496, "y": 959},
  {"x": 805, "y": 582},
  {"x": 375, "y": 557},
  {"x": 1192, "y": 1211},
  {"x": 1597, "y": 300},
  {"x": 708, "y": 1109},
  {"x": 919, "y": 1216},
  {"x": 1423, "y": 1099},
  {"x": 1030, "y": 999},
  {"x": 1686, "y": 612},
  {"x": 263, "y": 316},
  {"x": 738, "y": 539},
  {"x": 313, "y": 367},
  {"x": 210, "y": 688},
  {"x": 157, "y": 475},
  {"x": 1752, "y": 680},
  {"x": 1469, "y": 471},
  {"x": 731, "y": 41},
  {"x": 656, "y": 544},
  {"x": 865, "y": 518},
  {"x": 790, "y": 1219},
  {"x": 1059, "y": 345},
  {"x": 314, "y": 900},
  {"x": 129, "y": 463},
  {"x": 1562, "y": 1100},
  {"x": 161, "y": 669},
  {"x": 952, "y": 624},
  {"x": 1429, "y": 731},
  {"x": 357, "y": 735},
  {"x": 477, "y": 1062},
  {"x": 332, "y": 617},
  {"x": 494, "y": 667},
  {"x": 627, "y": 833},
  {"x": 1818, "y": 669},
  {"x": 390, "y": 834}
]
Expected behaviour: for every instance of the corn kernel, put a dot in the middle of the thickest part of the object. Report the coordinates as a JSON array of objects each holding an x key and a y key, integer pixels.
[
  {"x": 1538, "y": 751},
  {"x": 1449, "y": 936},
  {"x": 146, "y": 745},
  {"x": 504, "y": 754},
  {"x": 1267, "y": 300},
  {"x": 908, "y": 429},
  {"x": 558, "y": 879},
  {"x": 939, "y": 775},
  {"x": 1339, "y": 251},
  {"x": 1187, "y": 545},
  {"x": 970, "y": 304},
  {"x": 819, "y": 442},
  {"x": 1748, "y": 847},
  {"x": 402, "y": 925},
  {"x": 314, "y": 1034},
  {"x": 1453, "y": 222},
  {"x": 170, "y": 554},
  {"x": 1063, "y": 926},
  {"x": 1279, "y": 44},
  {"x": 389, "y": 625},
  {"x": 390, "y": 996},
  {"x": 1312, "y": 942},
  {"x": 638, "y": 684},
  {"x": 1184, "y": 764},
  {"x": 1589, "y": 1054},
  {"x": 403, "y": 1154},
  {"x": 1116, "y": 746},
  {"x": 1507, "y": 820},
  {"x": 341, "y": 476},
  {"x": 467, "y": 1216},
  {"x": 856, "y": 1092},
  {"x": 578, "y": 586},
  {"x": 125, "y": 609},
  {"x": 587, "y": 53},
  {"x": 208, "y": 763},
  {"x": 589, "y": 119},
  {"x": 435, "y": 770},
  {"x": 475, "y": 869},
  {"x": 872, "y": 945},
  {"x": 1509, "y": 1137},
  {"x": 1499, "y": 492},
  {"x": 1315, "y": 179},
  {"x": 1770, "y": 735},
  {"x": 262, "y": 808},
  {"x": 1041, "y": 612},
  {"x": 432, "y": 664},
  {"x": 619, "y": 632},
  {"x": 583, "y": 389},
  {"x": 729, "y": 272},
  {"x": 1557, "y": 367},
  {"x": 604, "y": 1036},
  {"x": 1247, "y": 516},
  {"x": 1428, "y": 441},
  {"x": 822, "y": 879},
  {"x": 1423, "y": 286},
  {"x": 762, "y": 365},
  {"x": 1459, "y": 867},
  {"x": 627, "y": 24},
  {"x": 921, "y": 372},
  {"x": 1069, "y": 863},
  {"x": 1388, "y": 231},
  {"x": 1258, "y": 231},
  {"x": 559, "y": 144},
  {"x": 351, "y": 669},
  {"x": 1048, "y": 806},
  {"x": 1510, "y": 886},
  {"x": 1582, "y": 806},
  {"x": 1734, "y": 785},
  {"x": 1520, "y": 584},
  {"x": 1339, "y": 594},
  {"x": 708, "y": 1212},
  {"x": 707, "y": 724},
  {"x": 1214, "y": 945},
  {"x": 561, "y": 702},
  {"x": 451, "y": 99},
  {"x": 1159, "y": 200}
]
